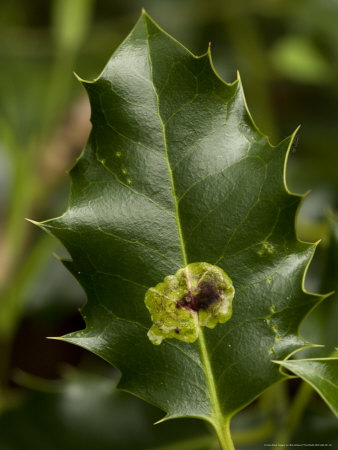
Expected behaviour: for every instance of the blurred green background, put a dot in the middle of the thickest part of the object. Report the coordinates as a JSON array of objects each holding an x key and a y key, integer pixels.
[{"x": 54, "y": 395}]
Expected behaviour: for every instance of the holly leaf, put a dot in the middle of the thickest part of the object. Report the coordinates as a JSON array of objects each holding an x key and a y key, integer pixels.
[
  {"x": 175, "y": 172},
  {"x": 321, "y": 374}
]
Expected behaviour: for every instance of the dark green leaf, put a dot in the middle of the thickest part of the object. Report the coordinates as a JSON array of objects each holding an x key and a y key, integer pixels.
[{"x": 175, "y": 172}]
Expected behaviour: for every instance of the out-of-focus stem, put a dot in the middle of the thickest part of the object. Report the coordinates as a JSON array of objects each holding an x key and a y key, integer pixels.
[
  {"x": 257, "y": 434},
  {"x": 295, "y": 414},
  {"x": 23, "y": 188}
]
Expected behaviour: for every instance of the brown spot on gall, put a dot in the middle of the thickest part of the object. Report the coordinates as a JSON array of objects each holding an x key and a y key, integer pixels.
[{"x": 200, "y": 298}]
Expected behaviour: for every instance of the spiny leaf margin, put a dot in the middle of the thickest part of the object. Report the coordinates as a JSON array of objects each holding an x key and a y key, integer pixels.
[{"x": 80, "y": 338}]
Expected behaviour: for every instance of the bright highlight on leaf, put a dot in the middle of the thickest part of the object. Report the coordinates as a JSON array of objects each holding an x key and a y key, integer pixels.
[{"x": 198, "y": 295}]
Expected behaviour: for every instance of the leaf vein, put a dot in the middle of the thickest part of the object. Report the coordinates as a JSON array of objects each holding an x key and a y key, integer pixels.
[
  {"x": 211, "y": 175},
  {"x": 116, "y": 236}
]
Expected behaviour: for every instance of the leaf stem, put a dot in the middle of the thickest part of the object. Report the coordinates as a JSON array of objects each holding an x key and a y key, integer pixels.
[
  {"x": 224, "y": 436},
  {"x": 221, "y": 426}
]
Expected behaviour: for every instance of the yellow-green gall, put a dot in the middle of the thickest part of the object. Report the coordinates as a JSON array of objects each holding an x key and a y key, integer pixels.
[{"x": 200, "y": 294}]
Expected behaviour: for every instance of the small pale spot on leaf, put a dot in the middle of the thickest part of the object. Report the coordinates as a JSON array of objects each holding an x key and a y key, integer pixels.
[{"x": 266, "y": 248}]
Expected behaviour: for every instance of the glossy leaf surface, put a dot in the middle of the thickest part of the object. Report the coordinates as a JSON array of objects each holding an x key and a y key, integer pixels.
[{"x": 176, "y": 172}]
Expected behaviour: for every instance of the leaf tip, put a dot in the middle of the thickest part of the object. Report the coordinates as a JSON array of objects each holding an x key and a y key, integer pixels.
[
  {"x": 325, "y": 296},
  {"x": 54, "y": 338},
  {"x": 58, "y": 257},
  {"x": 318, "y": 345},
  {"x": 71, "y": 337},
  {"x": 297, "y": 129},
  {"x": 34, "y": 222},
  {"x": 37, "y": 224},
  {"x": 164, "y": 419},
  {"x": 80, "y": 79},
  {"x": 293, "y": 138},
  {"x": 146, "y": 16}
]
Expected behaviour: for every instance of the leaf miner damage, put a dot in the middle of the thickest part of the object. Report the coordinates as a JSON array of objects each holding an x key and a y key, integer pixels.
[{"x": 200, "y": 294}]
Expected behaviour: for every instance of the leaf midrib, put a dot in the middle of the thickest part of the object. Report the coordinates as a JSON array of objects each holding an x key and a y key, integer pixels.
[{"x": 218, "y": 417}]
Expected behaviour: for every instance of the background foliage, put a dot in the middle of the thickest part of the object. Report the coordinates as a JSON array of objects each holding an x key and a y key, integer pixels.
[{"x": 286, "y": 51}]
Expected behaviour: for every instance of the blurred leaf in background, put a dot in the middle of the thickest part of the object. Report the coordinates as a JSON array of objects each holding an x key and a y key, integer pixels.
[
  {"x": 82, "y": 411},
  {"x": 37, "y": 146}
]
